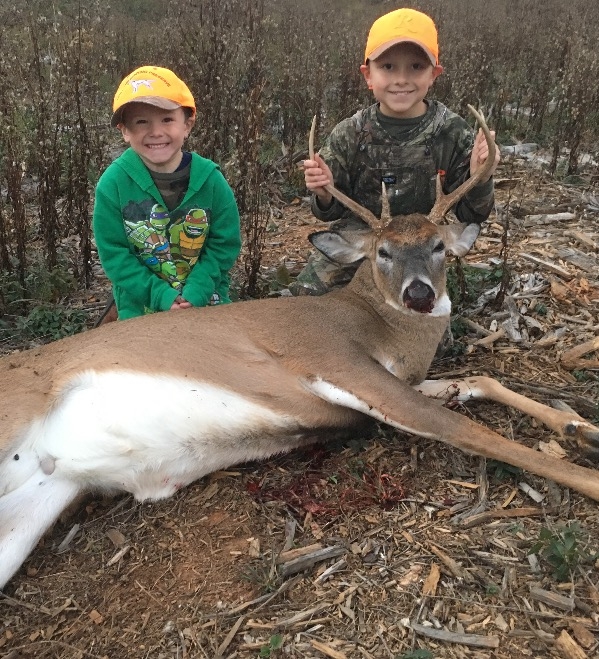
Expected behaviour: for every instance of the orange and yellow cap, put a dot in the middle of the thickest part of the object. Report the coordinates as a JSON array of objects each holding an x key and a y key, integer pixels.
[
  {"x": 399, "y": 26},
  {"x": 155, "y": 86}
]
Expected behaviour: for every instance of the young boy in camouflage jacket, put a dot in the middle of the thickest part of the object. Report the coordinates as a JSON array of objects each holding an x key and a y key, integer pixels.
[{"x": 403, "y": 140}]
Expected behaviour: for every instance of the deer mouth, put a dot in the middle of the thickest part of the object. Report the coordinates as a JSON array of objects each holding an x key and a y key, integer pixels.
[{"x": 419, "y": 297}]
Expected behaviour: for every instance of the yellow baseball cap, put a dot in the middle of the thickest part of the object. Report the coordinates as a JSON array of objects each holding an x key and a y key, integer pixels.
[
  {"x": 400, "y": 26},
  {"x": 155, "y": 86}
]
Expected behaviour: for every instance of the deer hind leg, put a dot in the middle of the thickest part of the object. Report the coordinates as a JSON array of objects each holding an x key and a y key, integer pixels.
[
  {"x": 26, "y": 513},
  {"x": 565, "y": 423}
]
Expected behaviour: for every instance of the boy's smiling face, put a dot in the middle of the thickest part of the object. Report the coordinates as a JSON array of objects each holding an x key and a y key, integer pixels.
[
  {"x": 156, "y": 135},
  {"x": 400, "y": 79}
]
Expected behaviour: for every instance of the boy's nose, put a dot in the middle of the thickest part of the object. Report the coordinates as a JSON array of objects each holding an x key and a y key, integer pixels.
[
  {"x": 155, "y": 128},
  {"x": 401, "y": 75}
]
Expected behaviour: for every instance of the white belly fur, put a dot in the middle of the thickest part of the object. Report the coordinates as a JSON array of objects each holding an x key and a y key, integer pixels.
[{"x": 148, "y": 435}]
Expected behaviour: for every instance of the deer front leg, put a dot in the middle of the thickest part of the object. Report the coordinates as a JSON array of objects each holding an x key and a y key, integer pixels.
[{"x": 566, "y": 424}]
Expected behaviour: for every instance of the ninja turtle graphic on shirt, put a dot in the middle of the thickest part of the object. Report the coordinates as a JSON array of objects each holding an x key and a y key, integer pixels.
[
  {"x": 187, "y": 237},
  {"x": 169, "y": 246},
  {"x": 153, "y": 248}
]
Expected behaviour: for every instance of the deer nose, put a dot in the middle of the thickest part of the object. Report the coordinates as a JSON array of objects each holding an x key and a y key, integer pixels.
[{"x": 419, "y": 297}]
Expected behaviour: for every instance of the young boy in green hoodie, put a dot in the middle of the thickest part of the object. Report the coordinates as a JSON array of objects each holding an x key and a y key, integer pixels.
[{"x": 165, "y": 220}]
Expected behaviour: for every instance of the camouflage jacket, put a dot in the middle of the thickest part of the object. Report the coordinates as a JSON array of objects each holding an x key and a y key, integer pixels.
[{"x": 361, "y": 154}]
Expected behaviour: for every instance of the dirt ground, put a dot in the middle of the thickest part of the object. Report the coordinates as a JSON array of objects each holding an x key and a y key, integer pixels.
[{"x": 387, "y": 546}]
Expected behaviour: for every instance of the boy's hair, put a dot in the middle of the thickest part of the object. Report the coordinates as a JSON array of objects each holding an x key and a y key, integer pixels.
[
  {"x": 403, "y": 26},
  {"x": 155, "y": 86}
]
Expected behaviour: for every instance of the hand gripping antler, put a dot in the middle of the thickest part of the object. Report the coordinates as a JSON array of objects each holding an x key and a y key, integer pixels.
[
  {"x": 360, "y": 211},
  {"x": 445, "y": 201}
]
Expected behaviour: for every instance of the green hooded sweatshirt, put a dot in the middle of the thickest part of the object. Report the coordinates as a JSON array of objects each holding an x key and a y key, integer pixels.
[{"x": 152, "y": 255}]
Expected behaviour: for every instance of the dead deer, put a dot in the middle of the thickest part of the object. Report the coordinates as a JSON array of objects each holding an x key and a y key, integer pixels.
[{"x": 149, "y": 405}]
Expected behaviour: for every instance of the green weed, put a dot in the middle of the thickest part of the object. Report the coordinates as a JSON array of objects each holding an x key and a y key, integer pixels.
[
  {"x": 562, "y": 548},
  {"x": 262, "y": 573},
  {"x": 275, "y": 643},
  {"x": 502, "y": 471},
  {"x": 465, "y": 284},
  {"x": 51, "y": 322}
]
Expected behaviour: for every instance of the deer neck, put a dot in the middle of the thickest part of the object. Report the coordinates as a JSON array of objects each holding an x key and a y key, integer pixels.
[{"x": 402, "y": 340}]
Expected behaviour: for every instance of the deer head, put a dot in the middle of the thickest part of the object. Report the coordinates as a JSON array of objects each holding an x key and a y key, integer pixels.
[{"x": 407, "y": 253}]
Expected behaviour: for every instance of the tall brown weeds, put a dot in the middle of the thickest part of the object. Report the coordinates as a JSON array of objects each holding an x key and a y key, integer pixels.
[{"x": 259, "y": 70}]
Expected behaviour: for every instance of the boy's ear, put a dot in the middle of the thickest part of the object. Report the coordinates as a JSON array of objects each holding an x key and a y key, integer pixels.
[
  {"x": 437, "y": 71},
  {"x": 189, "y": 124},
  {"x": 124, "y": 132},
  {"x": 365, "y": 70}
]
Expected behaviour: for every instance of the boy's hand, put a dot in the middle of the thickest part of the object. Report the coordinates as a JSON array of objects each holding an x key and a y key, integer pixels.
[
  {"x": 480, "y": 151},
  {"x": 180, "y": 303},
  {"x": 317, "y": 174}
]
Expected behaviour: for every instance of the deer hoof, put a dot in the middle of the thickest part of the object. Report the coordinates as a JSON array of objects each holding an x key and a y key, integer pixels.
[{"x": 589, "y": 438}]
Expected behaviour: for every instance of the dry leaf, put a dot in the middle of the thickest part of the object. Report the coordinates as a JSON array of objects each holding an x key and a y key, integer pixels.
[
  {"x": 560, "y": 292},
  {"x": 411, "y": 576},
  {"x": 116, "y": 537},
  {"x": 254, "y": 549},
  {"x": 552, "y": 448},
  {"x": 430, "y": 585},
  {"x": 95, "y": 617},
  {"x": 585, "y": 637}
]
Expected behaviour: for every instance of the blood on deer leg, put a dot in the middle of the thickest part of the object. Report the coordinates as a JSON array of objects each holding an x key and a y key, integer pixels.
[{"x": 565, "y": 424}]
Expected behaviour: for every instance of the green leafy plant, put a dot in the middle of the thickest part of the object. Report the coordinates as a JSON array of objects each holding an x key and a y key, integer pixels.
[
  {"x": 584, "y": 376},
  {"x": 501, "y": 470},
  {"x": 275, "y": 643},
  {"x": 40, "y": 283},
  {"x": 492, "y": 589},
  {"x": 562, "y": 549},
  {"x": 51, "y": 322},
  {"x": 262, "y": 573},
  {"x": 466, "y": 283}
]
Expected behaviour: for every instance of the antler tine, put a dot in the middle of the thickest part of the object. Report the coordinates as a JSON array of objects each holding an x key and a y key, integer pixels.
[
  {"x": 386, "y": 212},
  {"x": 368, "y": 217},
  {"x": 445, "y": 202}
]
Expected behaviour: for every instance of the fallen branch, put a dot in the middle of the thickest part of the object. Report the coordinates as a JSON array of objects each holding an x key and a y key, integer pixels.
[
  {"x": 474, "y": 640},
  {"x": 560, "y": 272},
  {"x": 568, "y": 647},
  {"x": 571, "y": 359},
  {"x": 489, "y": 515}
]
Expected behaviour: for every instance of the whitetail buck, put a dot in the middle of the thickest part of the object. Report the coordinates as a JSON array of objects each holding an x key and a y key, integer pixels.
[{"x": 149, "y": 405}]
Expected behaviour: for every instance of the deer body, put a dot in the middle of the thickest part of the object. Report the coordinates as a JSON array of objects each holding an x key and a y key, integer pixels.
[
  {"x": 151, "y": 404},
  {"x": 148, "y": 418}
]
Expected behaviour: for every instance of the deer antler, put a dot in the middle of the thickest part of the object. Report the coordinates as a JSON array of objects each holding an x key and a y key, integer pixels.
[
  {"x": 368, "y": 217},
  {"x": 445, "y": 202}
]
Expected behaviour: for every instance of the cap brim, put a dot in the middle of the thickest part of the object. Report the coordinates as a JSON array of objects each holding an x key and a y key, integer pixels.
[
  {"x": 157, "y": 101},
  {"x": 377, "y": 52}
]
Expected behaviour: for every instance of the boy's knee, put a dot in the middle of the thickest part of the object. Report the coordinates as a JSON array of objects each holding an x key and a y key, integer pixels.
[
  {"x": 308, "y": 282},
  {"x": 322, "y": 275}
]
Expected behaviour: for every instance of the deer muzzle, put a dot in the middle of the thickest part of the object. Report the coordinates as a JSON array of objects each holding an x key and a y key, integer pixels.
[{"x": 419, "y": 297}]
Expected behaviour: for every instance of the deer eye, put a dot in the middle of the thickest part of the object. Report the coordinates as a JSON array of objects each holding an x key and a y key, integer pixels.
[
  {"x": 384, "y": 254},
  {"x": 439, "y": 247}
]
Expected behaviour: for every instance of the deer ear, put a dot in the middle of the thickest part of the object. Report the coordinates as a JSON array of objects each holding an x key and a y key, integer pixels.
[
  {"x": 337, "y": 248},
  {"x": 459, "y": 238}
]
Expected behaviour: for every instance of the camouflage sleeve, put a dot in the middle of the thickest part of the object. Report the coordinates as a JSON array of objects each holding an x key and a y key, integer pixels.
[
  {"x": 456, "y": 142},
  {"x": 338, "y": 153}
]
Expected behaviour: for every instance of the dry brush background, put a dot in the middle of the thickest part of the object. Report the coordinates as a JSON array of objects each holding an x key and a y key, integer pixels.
[{"x": 389, "y": 546}]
